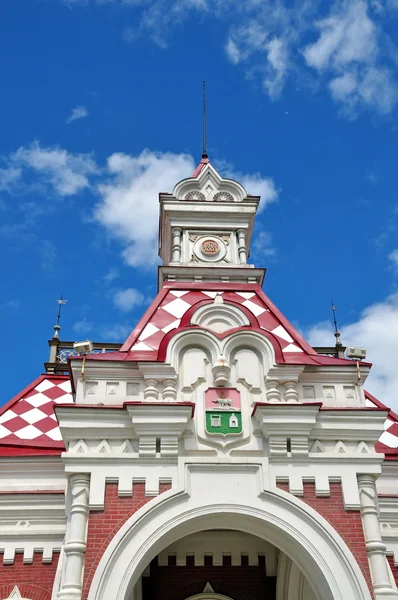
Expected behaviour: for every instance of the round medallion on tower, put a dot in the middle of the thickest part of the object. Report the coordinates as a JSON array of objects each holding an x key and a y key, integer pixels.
[{"x": 209, "y": 249}]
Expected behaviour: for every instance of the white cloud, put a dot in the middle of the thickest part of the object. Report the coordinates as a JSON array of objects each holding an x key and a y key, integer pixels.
[
  {"x": 129, "y": 205},
  {"x": 9, "y": 177},
  {"x": 377, "y": 331},
  {"x": 393, "y": 256},
  {"x": 10, "y": 305},
  {"x": 353, "y": 54},
  {"x": 63, "y": 171},
  {"x": 347, "y": 35},
  {"x": 79, "y": 112},
  {"x": 233, "y": 52},
  {"x": 127, "y": 299},
  {"x": 48, "y": 256},
  {"x": 127, "y": 190},
  {"x": 262, "y": 245},
  {"x": 277, "y": 54},
  {"x": 82, "y": 327},
  {"x": 257, "y": 185},
  {"x": 111, "y": 275},
  {"x": 349, "y": 52},
  {"x": 117, "y": 332}
]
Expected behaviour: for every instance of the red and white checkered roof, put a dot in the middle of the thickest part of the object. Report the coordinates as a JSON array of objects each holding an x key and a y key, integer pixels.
[
  {"x": 168, "y": 310},
  {"x": 177, "y": 302},
  {"x": 169, "y": 313},
  {"x": 29, "y": 419},
  {"x": 388, "y": 442}
]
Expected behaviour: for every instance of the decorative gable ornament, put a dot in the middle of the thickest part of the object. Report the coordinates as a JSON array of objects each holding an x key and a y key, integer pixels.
[
  {"x": 206, "y": 184},
  {"x": 223, "y": 411}
]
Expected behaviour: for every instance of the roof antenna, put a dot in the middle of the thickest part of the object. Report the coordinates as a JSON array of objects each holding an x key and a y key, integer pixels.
[
  {"x": 57, "y": 327},
  {"x": 204, "y": 153},
  {"x": 336, "y": 331}
]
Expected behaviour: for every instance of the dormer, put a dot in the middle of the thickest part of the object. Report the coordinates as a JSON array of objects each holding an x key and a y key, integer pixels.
[{"x": 207, "y": 222}]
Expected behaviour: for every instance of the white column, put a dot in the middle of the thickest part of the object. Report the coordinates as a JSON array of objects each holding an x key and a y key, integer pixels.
[
  {"x": 374, "y": 545},
  {"x": 151, "y": 391},
  {"x": 169, "y": 393},
  {"x": 241, "y": 233},
  {"x": 75, "y": 547},
  {"x": 291, "y": 393},
  {"x": 177, "y": 231},
  {"x": 273, "y": 391}
]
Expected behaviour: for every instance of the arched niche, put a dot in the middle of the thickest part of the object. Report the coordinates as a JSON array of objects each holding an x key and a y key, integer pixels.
[
  {"x": 219, "y": 317},
  {"x": 252, "y": 342}
]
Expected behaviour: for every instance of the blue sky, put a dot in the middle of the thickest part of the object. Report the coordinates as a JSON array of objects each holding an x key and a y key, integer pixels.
[{"x": 101, "y": 109}]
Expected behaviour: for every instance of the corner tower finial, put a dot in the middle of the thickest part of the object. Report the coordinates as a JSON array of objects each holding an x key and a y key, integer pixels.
[
  {"x": 57, "y": 326},
  {"x": 336, "y": 331},
  {"x": 204, "y": 153}
]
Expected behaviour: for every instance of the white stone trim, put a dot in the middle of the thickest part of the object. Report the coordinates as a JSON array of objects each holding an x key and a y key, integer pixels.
[
  {"x": 31, "y": 523},
  {"x": 233, "y": 496},
  {"x": 219, "y": 317}
]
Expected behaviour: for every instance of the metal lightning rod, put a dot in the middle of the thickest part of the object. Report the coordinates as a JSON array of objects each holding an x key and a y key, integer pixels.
[{"x": 204, "y": 153}]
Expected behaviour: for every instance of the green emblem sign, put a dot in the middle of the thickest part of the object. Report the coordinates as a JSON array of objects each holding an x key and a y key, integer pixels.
[{"x": 223, "y": 411}]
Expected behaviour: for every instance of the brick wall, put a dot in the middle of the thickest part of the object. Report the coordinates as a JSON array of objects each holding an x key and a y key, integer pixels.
[
  {"x": 394, "y": 568},
  {"x": 238, "y": 582},
  {"x": 103, "y": 525},
  {"x": 35, "y": 580},
  {"x": 348, "y": 524}
]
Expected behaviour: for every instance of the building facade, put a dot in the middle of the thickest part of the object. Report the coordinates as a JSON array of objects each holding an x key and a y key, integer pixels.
[{"x": 215, "y": 455}]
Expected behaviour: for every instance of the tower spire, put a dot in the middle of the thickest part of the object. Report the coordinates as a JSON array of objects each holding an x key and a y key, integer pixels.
[
  {"x": 336, "y": 331},
  {"x": 204, "y": 153},
  {"x": 57, "y": 326}
]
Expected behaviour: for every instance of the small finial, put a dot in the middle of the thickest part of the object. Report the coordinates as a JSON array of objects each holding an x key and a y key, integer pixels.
[
  {"x": 204, "y": 153},
  {"x": 336, "y": 331},
  {"x": 57, "y": 326}
]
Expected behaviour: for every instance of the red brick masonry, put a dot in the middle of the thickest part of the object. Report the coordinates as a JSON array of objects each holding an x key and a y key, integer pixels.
[
  {"x": 394, "y": 568},
  {"x": 103, "y": 525},
  {"x": 348, "y": 524},
  {"x": 35, "y": 580}
]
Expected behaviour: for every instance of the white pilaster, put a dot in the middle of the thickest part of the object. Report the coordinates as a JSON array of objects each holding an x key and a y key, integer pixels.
[
  {"x": 242, "y": 250},
  {"x": 374, "y": 545},
  {"x": 75, "y": 547},
  {"x": 177, "y": 232}
]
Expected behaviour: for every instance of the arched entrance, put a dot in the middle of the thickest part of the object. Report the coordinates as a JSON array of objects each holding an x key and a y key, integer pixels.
[{"x": 217, "y": 497}]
